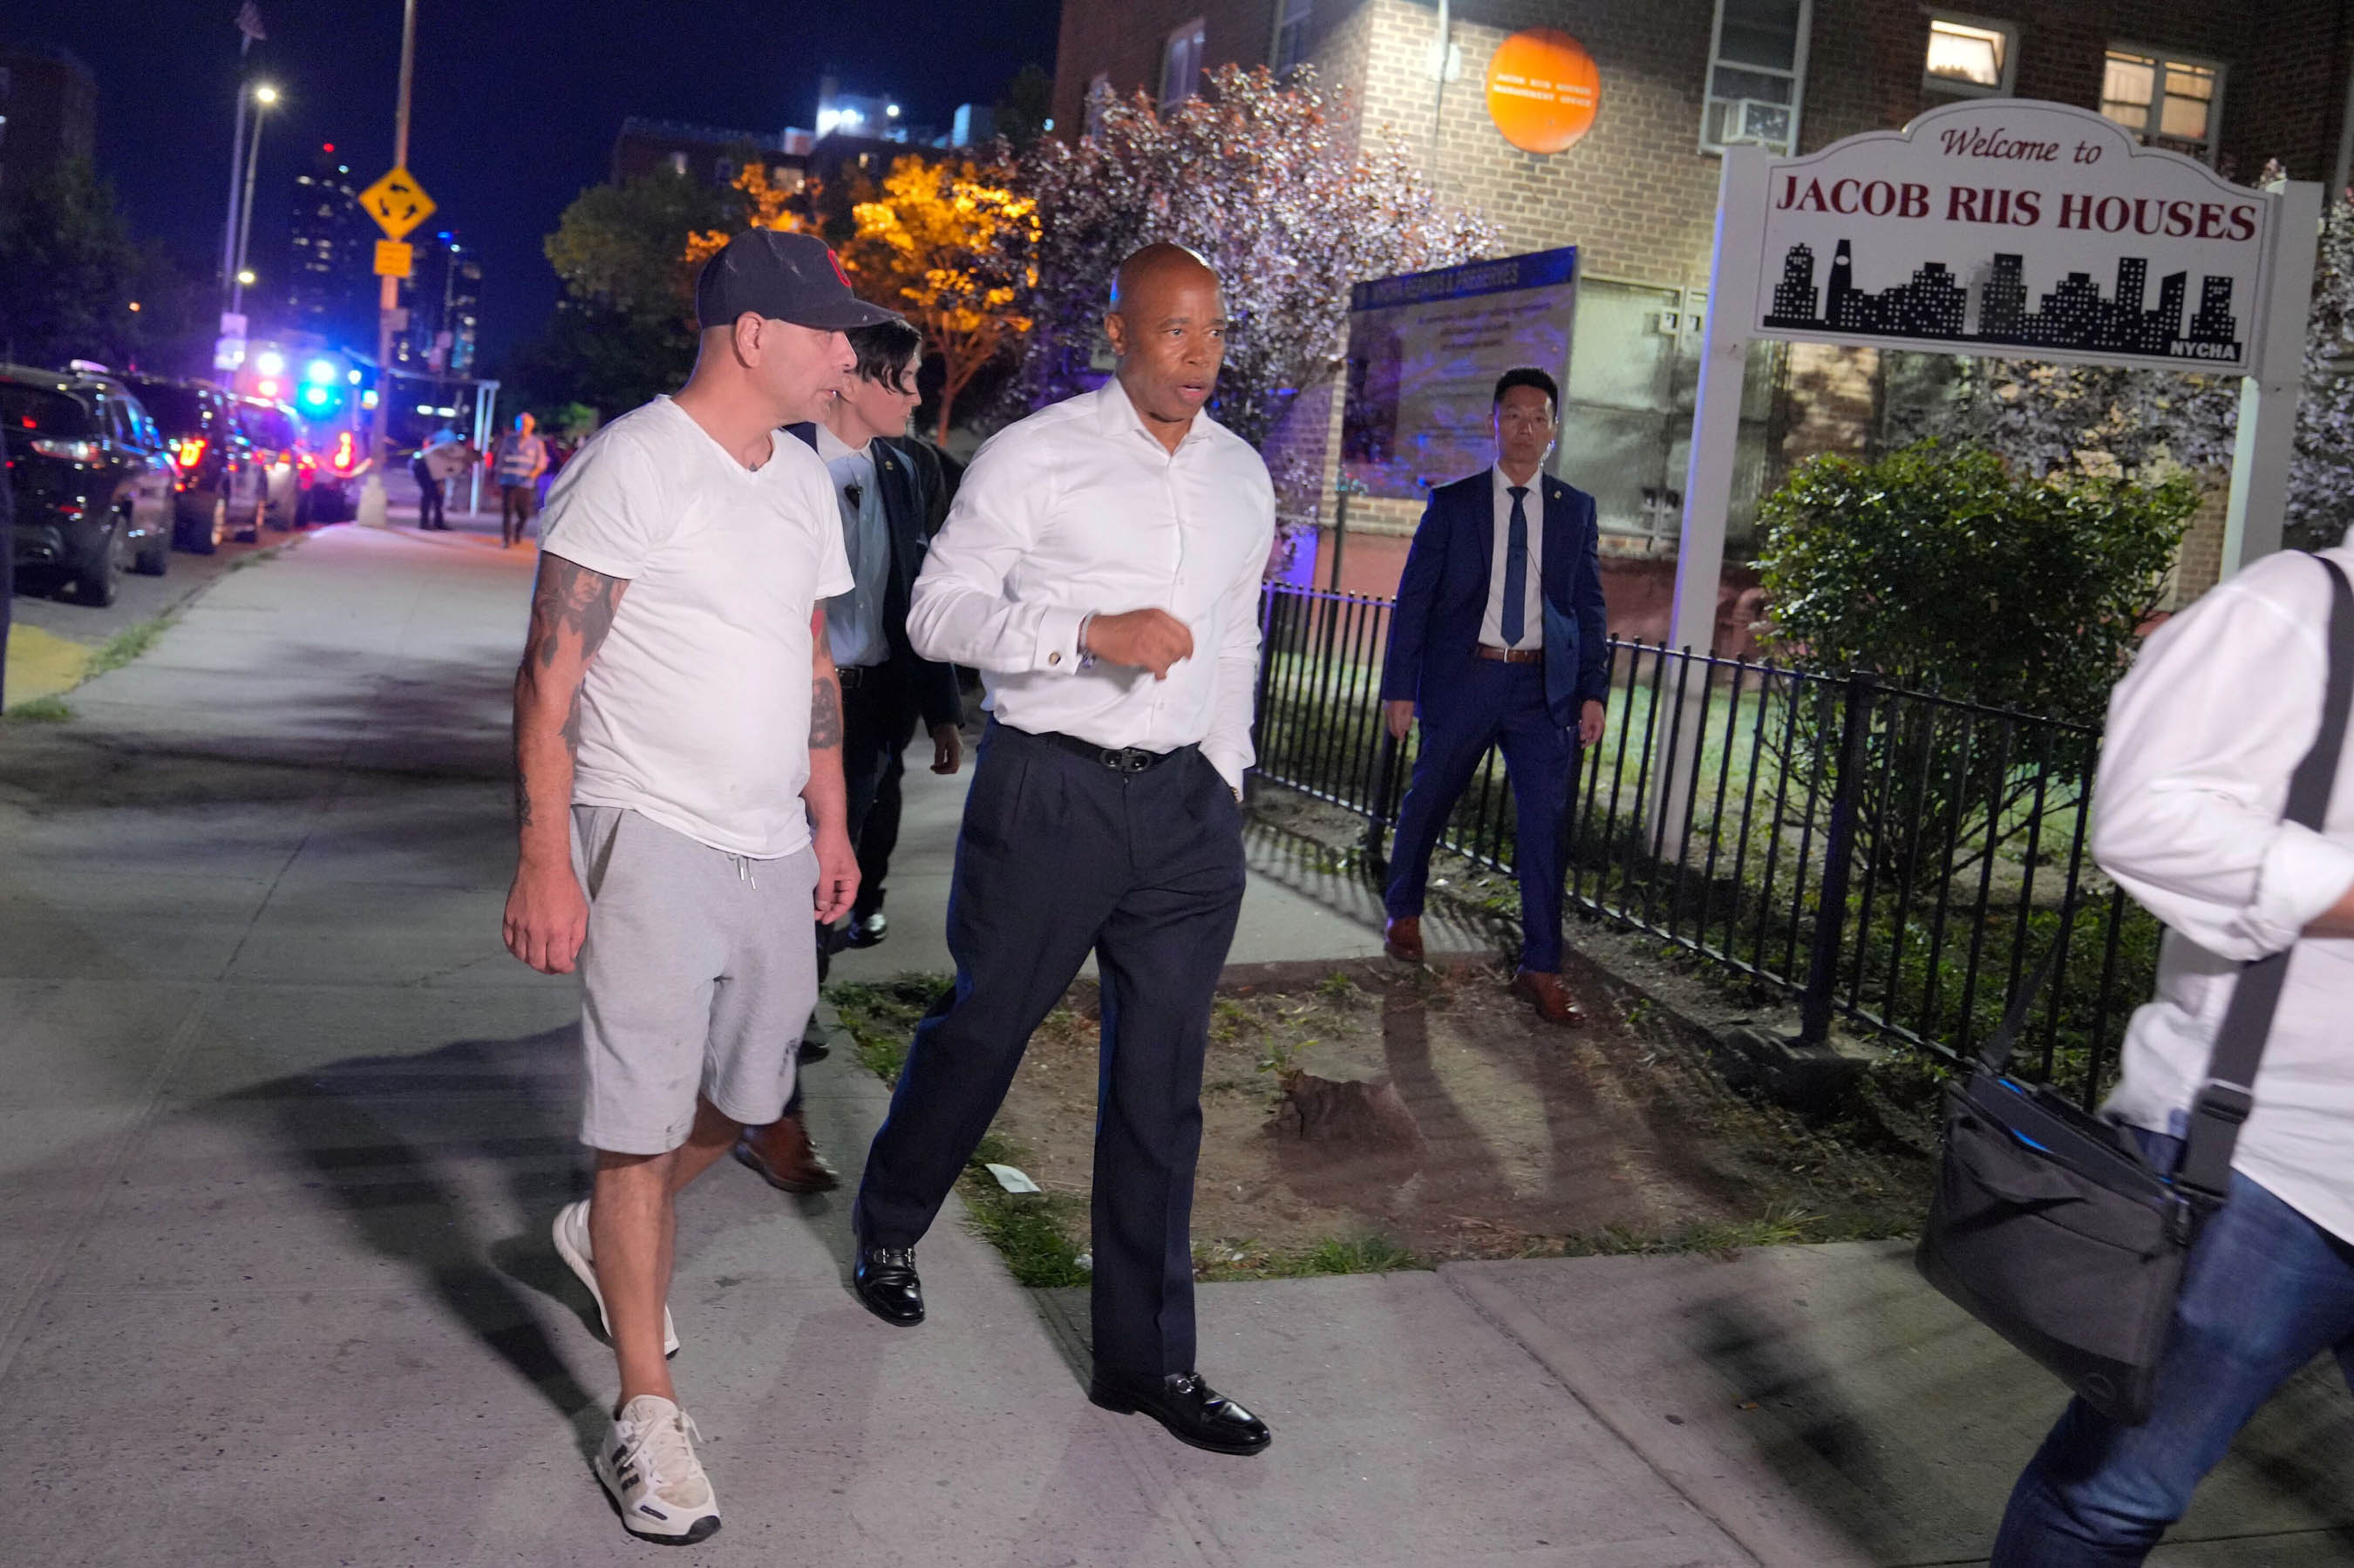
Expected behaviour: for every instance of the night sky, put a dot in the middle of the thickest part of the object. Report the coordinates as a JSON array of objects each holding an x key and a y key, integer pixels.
[{"x": 515, "y": 106}]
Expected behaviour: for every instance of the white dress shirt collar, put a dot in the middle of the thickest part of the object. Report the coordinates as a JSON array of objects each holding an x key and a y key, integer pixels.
[
  {"x": 831, "y": 446},
  {"x": 1116, "y": 412}
]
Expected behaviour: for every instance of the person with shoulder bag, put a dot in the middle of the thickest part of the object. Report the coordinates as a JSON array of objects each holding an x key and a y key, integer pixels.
[{"x": 2220, "y": 806}]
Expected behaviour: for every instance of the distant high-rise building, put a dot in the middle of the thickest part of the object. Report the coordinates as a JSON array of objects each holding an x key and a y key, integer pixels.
[
  {"x": 331, "y": 287},
  {"x": 443, "y": 296},
  {"x": 49, "y": 111}
]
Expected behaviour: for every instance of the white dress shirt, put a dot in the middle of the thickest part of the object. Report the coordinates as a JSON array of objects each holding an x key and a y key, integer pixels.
[
  {"x": 2203, "y": 733},
  {"x": 1491, "y": 621},
  {"x": 1079, "y": 509}
]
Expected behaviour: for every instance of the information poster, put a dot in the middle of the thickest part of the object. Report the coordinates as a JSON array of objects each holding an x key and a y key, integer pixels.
[{"x": 1425, "y": 350}]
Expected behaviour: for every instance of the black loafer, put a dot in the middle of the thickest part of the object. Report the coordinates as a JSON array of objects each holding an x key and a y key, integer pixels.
[
  {"x": 884, "y": 1280},
  {"x": 1191, "y": 1409},
  {"x": 867, "y": 931}
]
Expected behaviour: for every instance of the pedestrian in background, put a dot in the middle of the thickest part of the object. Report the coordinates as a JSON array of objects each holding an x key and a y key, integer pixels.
[
  {"x": 429, "y": 477},
  {"x": 2203, "y": 734},
  {"x": 1497, "y": 638},
  {"x": 1102, "y": 570},
  {"x": 517, "y": 461}
]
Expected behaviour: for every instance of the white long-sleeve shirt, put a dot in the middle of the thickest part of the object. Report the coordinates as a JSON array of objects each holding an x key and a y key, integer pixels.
[
  {"x": 2203, "y": 734},
  {"x": 1079, "y": 509}
]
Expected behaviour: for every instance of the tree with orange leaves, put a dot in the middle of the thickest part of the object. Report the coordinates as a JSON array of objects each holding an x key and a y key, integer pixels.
[
  {"x": 946, "y": 245},
  {"x": 765, "y": 204}
]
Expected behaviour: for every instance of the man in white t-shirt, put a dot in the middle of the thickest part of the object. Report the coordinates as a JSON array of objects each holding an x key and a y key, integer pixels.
[{"x": 679, "y": 796}]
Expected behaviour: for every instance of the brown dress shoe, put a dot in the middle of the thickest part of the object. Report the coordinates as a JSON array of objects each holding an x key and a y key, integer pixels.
[
  {"x": 1552, "y": 999},
  {"x": 1402, "y": 938},
  {"x": 781, "y": 1155}
]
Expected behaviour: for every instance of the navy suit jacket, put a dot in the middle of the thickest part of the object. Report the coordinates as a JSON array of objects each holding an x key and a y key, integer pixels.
[
  {"x": 907, "y": 511},
  {"x": 1442, "y": 595}
]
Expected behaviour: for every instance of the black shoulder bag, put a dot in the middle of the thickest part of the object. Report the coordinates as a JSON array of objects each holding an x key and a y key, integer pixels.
[{"x": 2047, "y": 1225}]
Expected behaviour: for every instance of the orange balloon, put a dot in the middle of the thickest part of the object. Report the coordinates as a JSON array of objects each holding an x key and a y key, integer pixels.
[{"x": 1543, "y": 90}]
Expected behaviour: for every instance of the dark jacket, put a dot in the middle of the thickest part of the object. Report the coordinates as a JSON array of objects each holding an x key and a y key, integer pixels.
[
  {"x": 1443, "y": 594},
  {"x": 905, "y": 511}
]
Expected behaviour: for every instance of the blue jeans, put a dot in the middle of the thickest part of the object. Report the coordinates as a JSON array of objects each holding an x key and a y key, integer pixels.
[{"x": 2266, "y": 1289}]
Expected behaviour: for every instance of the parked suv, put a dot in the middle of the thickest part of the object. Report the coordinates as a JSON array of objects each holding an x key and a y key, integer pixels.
[
  {"x": 223, "y": 488},
  {"x": 278, "y": 448},
  {"x": 92, "y": 477}
]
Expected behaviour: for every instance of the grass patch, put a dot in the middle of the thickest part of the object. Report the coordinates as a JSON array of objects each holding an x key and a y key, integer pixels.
[
  {"x": 1722, "y": 1238},
  {"x": 882, "y": 1017},
  {"x": 1216, "y": 1261},
  {"x": 1031, "y": 1231},
  {"x": 129, "y": 643},
  {"x": 41, "y": 710}
]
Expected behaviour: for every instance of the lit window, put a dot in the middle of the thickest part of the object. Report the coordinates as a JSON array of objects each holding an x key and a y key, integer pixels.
[
  {"x": 1754, "y": 70},
  {"x": 678, "y": 163},
  {"x": 1967, "y": 56},
  {"x": 1180, "y": 64},
  {"x": 2168, "y": 102},
  {"x": 1291, "y": 18}
]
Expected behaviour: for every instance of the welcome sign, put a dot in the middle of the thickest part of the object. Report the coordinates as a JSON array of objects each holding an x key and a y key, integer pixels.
[{"x": 2020, "y": 228}]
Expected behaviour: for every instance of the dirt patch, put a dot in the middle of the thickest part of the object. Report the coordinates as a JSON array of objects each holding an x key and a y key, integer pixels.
[{"x": 1524, "y": 1139}]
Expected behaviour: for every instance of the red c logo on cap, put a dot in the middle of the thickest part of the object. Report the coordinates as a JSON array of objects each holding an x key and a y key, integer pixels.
[{"x": 837, "y": 266}]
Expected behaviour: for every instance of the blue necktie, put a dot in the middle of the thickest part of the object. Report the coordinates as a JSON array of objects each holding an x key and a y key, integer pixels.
[{"x": 1516, "y": 571}]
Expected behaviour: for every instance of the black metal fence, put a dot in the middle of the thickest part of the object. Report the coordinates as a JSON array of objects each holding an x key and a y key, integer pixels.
[{"x": 1893, "y": 858}]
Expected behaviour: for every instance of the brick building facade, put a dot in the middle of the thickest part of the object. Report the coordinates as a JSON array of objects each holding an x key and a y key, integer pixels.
[{"x": 1638, "y": 193}]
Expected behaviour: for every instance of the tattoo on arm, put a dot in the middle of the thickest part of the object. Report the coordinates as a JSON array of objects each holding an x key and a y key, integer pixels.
[
  {"x": 570, "y": 607},
  {"x": 569, "y": 598},
  {"x": 825, "y": 712}
]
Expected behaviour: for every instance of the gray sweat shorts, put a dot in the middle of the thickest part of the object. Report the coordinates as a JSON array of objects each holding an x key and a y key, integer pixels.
[{"x": 698, "y": 975}]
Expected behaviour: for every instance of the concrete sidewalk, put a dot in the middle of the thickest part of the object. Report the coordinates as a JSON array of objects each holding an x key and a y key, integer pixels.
[
  {"x": 289, "y": 1126},
  {"x": 286, "y": 1127}
]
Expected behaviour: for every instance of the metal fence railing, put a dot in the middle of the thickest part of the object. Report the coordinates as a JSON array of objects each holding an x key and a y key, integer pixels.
[{"x": 1893, "y": 858}]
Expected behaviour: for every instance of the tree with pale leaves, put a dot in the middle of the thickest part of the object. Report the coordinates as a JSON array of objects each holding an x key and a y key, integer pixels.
[
  {"x": 2053, "y": 419},
  {"x": 1276, "y": 185}
]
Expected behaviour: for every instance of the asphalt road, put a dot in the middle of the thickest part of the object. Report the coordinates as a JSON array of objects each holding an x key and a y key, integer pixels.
[{"x": 43, "y": 599}]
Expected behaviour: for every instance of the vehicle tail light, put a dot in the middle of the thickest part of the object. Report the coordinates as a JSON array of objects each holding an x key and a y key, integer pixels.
[
  {"x": 191, "y": 452},
  {"x": 71, "y": 452}
]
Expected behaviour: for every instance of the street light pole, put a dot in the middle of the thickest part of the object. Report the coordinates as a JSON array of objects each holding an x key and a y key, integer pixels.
[
  {"x": 263, "y": 97},
  {"x": 372, "y": 498},
  {"x": 235, "y": 175}
]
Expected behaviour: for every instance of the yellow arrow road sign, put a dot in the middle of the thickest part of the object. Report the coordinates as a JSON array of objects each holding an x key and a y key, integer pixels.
[{"x": 397, "y": 203}]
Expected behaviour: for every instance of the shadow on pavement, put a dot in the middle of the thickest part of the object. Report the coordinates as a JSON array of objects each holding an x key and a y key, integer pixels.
[{"x": 394, "y": 1141}]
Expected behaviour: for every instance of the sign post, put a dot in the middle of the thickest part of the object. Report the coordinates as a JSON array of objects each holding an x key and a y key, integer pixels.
[{"x": 2008, "y": 228}]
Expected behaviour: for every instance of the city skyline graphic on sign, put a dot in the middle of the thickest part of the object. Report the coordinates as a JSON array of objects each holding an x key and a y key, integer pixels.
[{"x": 2075, "y": 315}]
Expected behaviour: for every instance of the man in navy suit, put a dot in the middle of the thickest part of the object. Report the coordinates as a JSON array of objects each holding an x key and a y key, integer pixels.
[{"x": 1497, "y": 638}]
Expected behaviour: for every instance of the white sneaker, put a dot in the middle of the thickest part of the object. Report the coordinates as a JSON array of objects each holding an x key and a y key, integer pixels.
[
  {"x": 571, "y": 1229},
  {"x": 647, "y": 1462}
]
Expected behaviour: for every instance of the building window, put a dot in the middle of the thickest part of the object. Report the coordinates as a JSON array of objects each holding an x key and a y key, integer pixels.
[
  {"x": 1968, "y": 56},
  {"x": 678, "y": 163},
  {"x": 1180, "y": 64},
  {"x": 2166, "y": 101},
  {"x": 1756, "y": 70},
  {"x": 1290, "y": 34}
]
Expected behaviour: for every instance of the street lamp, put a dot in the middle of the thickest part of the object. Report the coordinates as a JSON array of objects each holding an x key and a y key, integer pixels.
[{"x": 264, "y": 97}]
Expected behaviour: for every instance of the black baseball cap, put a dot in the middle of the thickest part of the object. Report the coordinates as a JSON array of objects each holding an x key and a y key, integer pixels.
[{"x": 792, "y": 278}]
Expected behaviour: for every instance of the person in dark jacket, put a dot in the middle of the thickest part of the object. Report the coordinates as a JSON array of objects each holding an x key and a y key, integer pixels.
[
  {"x": 886, "y": 687},
  {"x": 1497, "y": 639}
]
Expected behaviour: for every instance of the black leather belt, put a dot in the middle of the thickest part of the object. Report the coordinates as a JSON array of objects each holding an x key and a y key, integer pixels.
[
  {"x": 854, "y": 675},
  {"x": 1118, "y": 758}
]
